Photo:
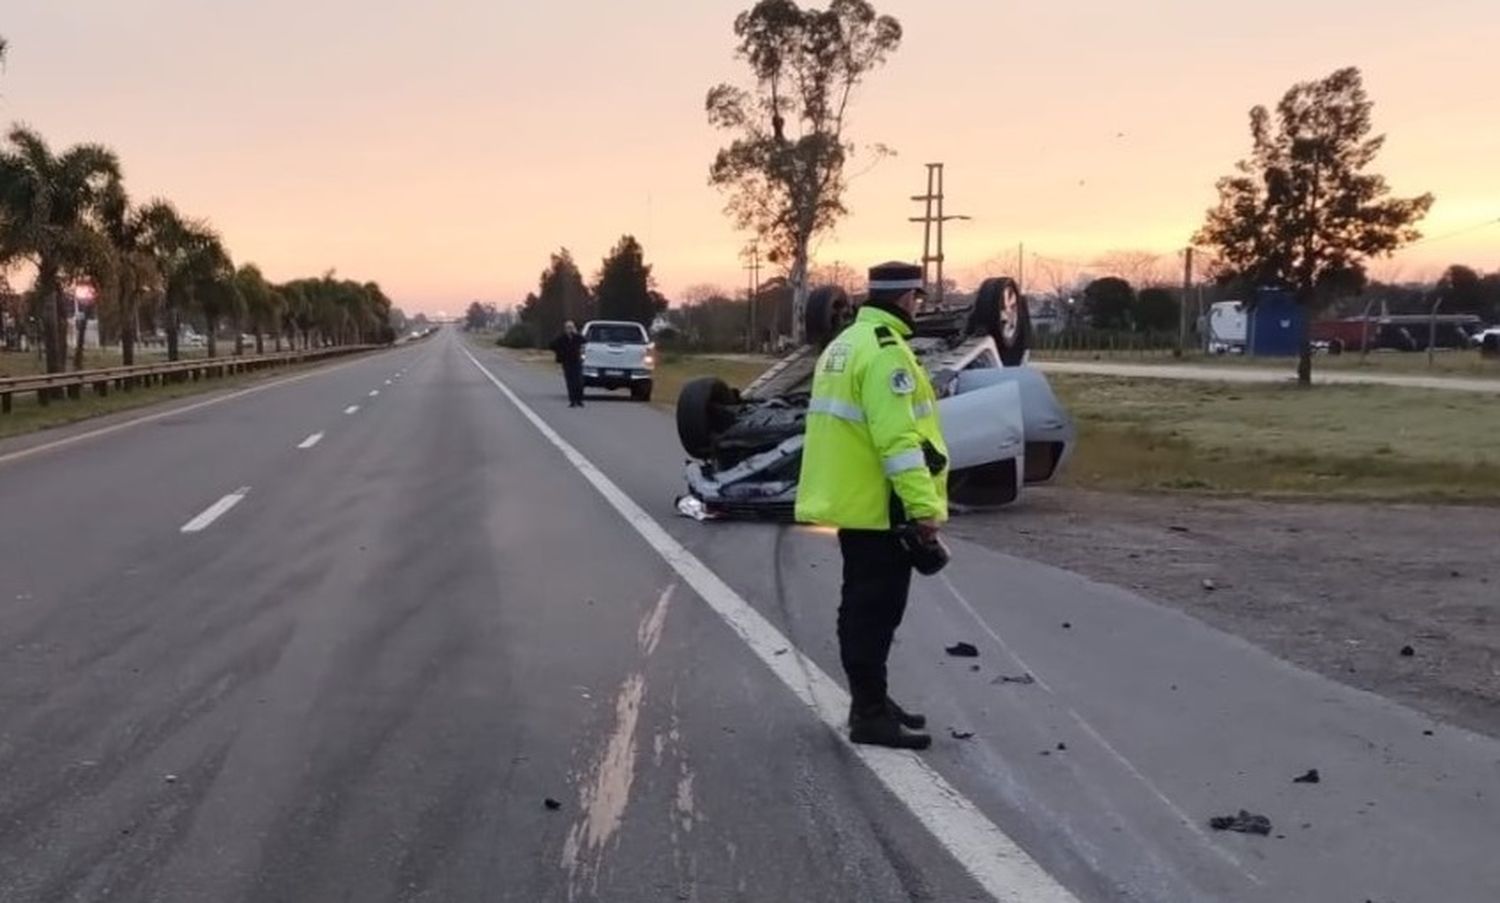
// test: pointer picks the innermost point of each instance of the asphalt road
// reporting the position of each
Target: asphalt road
(371, 660)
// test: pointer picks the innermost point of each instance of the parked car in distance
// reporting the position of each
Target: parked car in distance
(618, 354)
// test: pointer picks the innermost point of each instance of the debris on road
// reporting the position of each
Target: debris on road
(1178, 528)
(1407, 652)
(170, 779)
(1312, 777)
(1067, 625)
(1062, 747)
(690, 506)
(1023, 679)
(781, 651)
(973, 667)
(551, 804)
(1245, 823)
(963, 650)
(957, 734)
(1209, 584)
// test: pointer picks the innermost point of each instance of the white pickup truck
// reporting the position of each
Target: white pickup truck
(618, 354)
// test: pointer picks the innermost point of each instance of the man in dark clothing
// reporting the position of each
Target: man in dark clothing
(568, 349)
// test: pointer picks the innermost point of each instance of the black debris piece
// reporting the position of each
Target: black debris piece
(1025, 680)
(1407, 652)
(1046, 752)
(973, 667)
(1245, 823)
(1067, 625)
(1456, 574)
(1178, 528)
(963, 650)
(957, 734)
(781, 651)
(1312, 777)
(1427, 733)
(1062, 747)
(551, 804)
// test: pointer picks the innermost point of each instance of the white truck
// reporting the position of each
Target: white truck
(618, 354)
(1226, 329)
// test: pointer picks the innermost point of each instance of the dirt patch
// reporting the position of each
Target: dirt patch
(1336, 588)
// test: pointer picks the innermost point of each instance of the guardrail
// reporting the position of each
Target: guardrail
(51, 386)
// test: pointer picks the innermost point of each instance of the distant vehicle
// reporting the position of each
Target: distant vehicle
(1227, 328)
(618, 354)
(1478, 338)
(1398, 332)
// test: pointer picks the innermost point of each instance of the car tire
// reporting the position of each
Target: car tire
(641, 391)
(702, 414)
(828, 312)
(989, 306)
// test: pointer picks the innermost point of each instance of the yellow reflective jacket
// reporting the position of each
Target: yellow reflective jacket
(872, 409)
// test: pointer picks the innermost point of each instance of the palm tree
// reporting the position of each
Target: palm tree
(137, 275)
(50, 208)
(213, 284)
(260, 302)
(191, 259)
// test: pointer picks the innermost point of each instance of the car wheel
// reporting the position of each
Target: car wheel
(828, 312)
(641, 391)
(702, 413)
(989, 305)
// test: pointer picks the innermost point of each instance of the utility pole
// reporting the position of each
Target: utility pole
(1187, 287)
(752, 272)
(932, 220)
(1021, 267)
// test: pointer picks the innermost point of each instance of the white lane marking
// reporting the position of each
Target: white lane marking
(374, 392)
(312, 440)
(215, 511)
(1099, 738)
(352, 409)
(171, 412)
(995, 861)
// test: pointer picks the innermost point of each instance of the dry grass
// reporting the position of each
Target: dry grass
(1273, 440)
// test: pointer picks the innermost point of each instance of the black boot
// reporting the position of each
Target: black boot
(880, 728)
(910, 720)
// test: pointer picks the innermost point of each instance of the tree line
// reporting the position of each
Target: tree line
(142, 269)
(623, 289)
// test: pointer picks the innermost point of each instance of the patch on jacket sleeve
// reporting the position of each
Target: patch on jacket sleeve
(837, 358)
(902, 382)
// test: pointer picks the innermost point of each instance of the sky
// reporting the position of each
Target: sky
(445, 148)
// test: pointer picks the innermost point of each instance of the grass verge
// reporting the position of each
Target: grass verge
(1351, 442)
(1444, 363)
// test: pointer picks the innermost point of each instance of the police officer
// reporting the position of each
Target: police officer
(874, 462)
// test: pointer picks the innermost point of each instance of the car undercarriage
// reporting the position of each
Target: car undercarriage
(1003, 426)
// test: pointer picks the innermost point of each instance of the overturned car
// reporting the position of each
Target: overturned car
(1003, 426)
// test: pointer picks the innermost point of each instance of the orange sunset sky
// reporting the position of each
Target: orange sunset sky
(445, 148)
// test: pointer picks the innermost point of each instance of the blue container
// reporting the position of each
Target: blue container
(1275, 327)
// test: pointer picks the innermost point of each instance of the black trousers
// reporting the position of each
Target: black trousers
(573, 375)
(877, 578)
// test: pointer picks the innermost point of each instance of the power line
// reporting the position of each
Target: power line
(1457, 232)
